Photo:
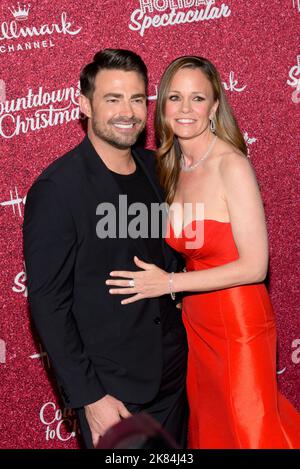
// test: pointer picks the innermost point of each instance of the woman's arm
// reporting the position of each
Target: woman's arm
(248, 225)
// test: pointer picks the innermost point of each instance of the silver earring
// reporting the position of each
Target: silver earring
(212, 125)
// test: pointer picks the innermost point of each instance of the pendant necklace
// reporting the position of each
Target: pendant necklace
(186, 168)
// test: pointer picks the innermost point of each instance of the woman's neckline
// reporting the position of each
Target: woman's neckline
(202, 221)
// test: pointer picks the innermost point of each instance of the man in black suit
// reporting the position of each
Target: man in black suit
(110, 359)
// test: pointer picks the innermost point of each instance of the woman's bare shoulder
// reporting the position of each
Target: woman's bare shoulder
(231, 158)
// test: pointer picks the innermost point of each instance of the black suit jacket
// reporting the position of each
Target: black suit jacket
(96, 345)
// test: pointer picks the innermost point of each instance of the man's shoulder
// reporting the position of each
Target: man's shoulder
(64, 167)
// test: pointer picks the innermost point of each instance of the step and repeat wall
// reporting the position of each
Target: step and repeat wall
(43, 46)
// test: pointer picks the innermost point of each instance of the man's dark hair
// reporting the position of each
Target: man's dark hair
(111, 59)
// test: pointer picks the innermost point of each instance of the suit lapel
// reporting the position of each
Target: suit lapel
(106, 187)
(104, 184)
(150, 176)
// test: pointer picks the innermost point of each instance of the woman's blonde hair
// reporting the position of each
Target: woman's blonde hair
(168, 153)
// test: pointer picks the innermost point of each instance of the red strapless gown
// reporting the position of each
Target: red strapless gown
(231, 380)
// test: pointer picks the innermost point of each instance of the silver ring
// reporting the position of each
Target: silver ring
(131, 282)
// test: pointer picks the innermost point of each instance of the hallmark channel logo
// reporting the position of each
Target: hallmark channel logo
(296, 351)
(20, 286)
(232, 85)
(2, 351)
(38, 109)
(2, 91)
(59, 424)
(21, 13)
(295, 355)
(163, 13)
(294, 81)
(42, 356)
(17, 36)
(249, 141)
(296, 5)
(15, 203)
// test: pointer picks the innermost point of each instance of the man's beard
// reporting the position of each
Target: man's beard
(122, 142)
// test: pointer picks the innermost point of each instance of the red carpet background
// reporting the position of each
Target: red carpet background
(255, 45)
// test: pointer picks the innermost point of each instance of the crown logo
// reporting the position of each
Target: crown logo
(20, 13)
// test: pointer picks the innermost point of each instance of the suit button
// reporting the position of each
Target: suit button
(156, 320)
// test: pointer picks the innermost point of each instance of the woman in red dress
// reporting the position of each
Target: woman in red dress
(216, 221)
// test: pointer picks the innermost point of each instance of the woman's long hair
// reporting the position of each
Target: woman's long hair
(168, 153)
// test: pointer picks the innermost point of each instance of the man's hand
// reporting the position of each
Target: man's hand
(102, 414)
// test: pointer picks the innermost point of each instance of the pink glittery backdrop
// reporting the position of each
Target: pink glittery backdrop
(254, 44)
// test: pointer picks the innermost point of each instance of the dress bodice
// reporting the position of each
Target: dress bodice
(204, 244)
(231, 377)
